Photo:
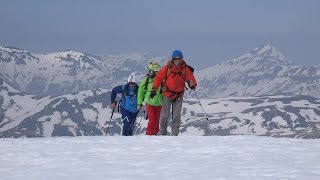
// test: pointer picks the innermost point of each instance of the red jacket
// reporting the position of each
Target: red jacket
(173, 78)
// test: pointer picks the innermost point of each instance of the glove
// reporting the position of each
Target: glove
(192, 85)
(153, 93)
(113, 105)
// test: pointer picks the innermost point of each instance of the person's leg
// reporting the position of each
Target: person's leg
(157, 111)
(151, 122)
(132, 122)
(176, 116)
(126, 122)
(164, 115)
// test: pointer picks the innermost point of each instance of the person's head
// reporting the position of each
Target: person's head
(177, 57)
(132, 79)
(153, 68)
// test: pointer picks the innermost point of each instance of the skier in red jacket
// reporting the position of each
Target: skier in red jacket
(171, 79)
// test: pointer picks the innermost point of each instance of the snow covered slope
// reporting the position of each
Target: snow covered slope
(146, 157)
(68, 71)
(86, 113)
(263, 71)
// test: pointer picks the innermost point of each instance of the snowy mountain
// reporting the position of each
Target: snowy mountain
(87, 113)
(263, 71)
(265, 94)
(66, 72)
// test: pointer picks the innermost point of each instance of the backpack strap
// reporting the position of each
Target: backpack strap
(125, 92)
(183, 72)
(147, 83)
(167, 75)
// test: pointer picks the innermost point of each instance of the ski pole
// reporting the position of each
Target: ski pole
(185, 86)
(110, 118)
(135, 128)
(135, 131)
(205, 114)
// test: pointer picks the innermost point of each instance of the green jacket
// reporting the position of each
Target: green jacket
(144, 94)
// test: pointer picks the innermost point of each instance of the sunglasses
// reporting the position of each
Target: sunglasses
(150, 71)
(176, 58)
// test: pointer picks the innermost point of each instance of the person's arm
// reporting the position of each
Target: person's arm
(115, 91)
(161, 75)
(142, 91)
(191, 79)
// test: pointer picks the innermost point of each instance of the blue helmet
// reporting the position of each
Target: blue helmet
(177, 54)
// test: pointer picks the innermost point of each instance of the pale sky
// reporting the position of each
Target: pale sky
(207, 31)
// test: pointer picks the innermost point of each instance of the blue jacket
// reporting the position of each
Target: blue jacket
(129, 97)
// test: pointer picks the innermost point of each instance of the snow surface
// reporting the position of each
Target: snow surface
(159, 157)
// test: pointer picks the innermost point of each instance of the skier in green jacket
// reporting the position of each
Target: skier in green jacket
(154, 104)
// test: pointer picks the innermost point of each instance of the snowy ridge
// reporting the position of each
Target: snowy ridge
(263, 71)
(266, 95)
(68, 71)
(6, 87)
(271, 52)
(87, 113)
(12, 50)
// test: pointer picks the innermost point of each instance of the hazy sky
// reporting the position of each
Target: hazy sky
(207, 31)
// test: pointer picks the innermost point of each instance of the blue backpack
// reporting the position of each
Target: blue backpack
(129, 100)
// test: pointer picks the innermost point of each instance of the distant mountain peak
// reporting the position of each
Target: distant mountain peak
(269, 51)
(12, 49)
(68, 54)
(68, 51)
(266, 49)
(260, 55)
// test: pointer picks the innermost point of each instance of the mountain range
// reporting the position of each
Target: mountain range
(263, 71)
(68, 71)
(87, 113)
(68, 94)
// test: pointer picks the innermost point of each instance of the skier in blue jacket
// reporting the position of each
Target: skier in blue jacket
(128, 103)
